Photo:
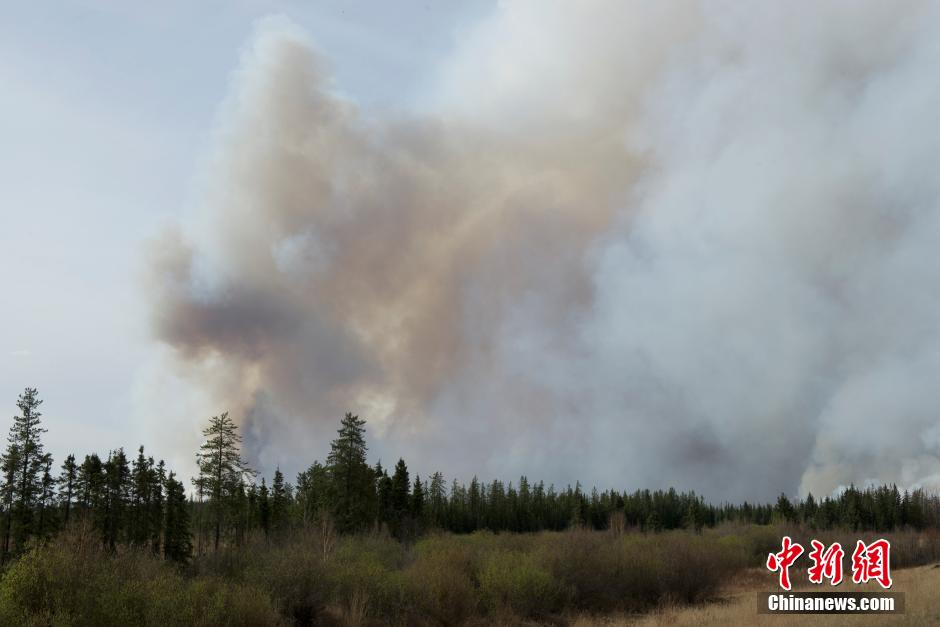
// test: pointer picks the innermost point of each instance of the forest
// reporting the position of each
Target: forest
(356, 543)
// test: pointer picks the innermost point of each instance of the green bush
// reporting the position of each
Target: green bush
(518, 583)
(73, 581)
(440, 582)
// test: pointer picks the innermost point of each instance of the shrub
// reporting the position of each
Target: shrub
(73, 581)
(516, 582)
(440, 582)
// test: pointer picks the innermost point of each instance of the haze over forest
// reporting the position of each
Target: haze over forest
(633, 244)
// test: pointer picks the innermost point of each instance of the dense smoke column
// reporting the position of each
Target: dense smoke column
(639, 246)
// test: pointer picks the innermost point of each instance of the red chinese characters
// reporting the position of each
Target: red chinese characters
(872, 561)
(784, 559)
(827, 564)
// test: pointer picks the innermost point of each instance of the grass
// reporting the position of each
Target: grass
(739, 607)
(442, 579)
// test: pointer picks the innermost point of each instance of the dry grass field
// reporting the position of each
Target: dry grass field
(738, 604)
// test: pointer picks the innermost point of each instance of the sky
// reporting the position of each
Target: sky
(106, 112)
(635, 244)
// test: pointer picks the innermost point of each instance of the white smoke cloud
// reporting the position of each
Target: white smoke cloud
(635, 244)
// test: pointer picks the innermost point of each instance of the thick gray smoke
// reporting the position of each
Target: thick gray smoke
(637, 244)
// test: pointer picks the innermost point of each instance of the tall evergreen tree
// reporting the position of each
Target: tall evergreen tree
(10, 462)
(437, 499)
(221, 469)
(264, 508)
(66, 482)
(417, 499)
(177, 540)
(112, 517)
(25, 461)
(158, 499)
(279, 502)
(383, 488)
(352, 480)
(46, 521)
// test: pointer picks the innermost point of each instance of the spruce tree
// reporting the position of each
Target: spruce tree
(352, 480)
(155, 510)
(385, 511)
(279, 502)
(264, 508)
(177, 540)
(417, 499)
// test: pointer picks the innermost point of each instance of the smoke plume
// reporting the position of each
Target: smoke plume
(636, 244)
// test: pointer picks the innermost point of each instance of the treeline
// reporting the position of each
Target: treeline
(355, 496)
(140, 503)
(136, 503)
(881, 508)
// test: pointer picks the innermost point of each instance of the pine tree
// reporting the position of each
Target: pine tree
(221, 469)
(352, 480)
(47, 493)
(10, 462)
(67, 486)
(117, 489)
(23, 462)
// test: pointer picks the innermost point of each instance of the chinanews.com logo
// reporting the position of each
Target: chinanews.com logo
(870, 562)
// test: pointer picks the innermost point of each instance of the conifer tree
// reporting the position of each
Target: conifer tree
(279, 502)
(66, 482)
(10, 462)
(383, 487)
(142, 486)
(46, 522)
(24, 461)
(417, 499)
(155, 510)
(264, 508)
(352, 480)
(401, 488)
(436, 498)
(221, 469)
(117, 488)
(177, 540)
